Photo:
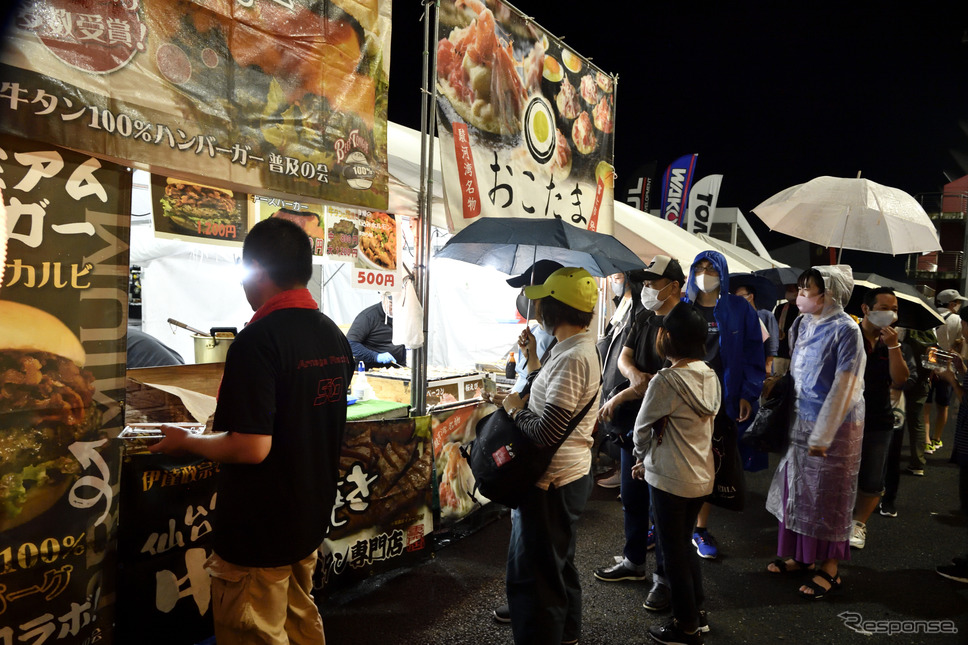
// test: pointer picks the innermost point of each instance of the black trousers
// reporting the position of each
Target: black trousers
(675, 518)
(543, 584)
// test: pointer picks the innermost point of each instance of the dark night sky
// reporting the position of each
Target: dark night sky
(769, 97)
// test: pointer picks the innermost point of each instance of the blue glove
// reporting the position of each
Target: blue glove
(384, 357)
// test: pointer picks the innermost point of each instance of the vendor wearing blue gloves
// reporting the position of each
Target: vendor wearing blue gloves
(371, 336)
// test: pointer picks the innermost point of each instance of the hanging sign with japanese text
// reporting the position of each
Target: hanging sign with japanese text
(382, 514)
(164, 592)
(526, 125)
(310, 217)
(287, 96)
(63, 320)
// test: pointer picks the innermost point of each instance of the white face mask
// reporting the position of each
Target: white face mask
(881, 318)
(651, 299)
(707, 283)
(808, 304)
(618, 289)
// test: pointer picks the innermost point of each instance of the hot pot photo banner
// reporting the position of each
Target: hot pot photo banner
(526, 125)
(63, 319)
(276, 95)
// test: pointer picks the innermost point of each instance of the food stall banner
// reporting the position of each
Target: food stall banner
(452, 430)
(382, 515)
(287, 95)
(526, 125)
(63, 320)
(675, 189)
(164, 592)
(702, 204)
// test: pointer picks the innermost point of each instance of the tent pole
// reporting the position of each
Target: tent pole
(428, 101)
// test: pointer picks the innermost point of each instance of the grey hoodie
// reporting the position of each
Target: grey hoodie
(689, 397)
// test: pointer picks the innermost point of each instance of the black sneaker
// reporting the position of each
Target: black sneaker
(502, 614)
(657, 598)
(958, 572)
(887, 509)
(618, 572)
(671, 634)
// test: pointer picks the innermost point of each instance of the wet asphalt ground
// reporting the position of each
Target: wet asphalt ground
(889, 586)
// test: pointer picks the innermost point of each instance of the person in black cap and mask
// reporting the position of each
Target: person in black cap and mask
(534, 341)
(639, 362)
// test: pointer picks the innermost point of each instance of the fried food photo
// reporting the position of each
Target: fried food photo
(378, 242)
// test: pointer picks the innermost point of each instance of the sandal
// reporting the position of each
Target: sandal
(818, 591)
(792, 566)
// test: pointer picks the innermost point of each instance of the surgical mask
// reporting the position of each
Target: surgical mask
(618, 289)
(881, 318)
(650, 298)
(808, 304)
(707, 283)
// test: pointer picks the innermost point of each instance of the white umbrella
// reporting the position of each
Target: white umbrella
(851, 214)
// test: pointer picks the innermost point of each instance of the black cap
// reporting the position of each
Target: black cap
(542, 269)
(664, 267)
(686, 325)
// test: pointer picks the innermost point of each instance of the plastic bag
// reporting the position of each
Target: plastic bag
(408, 319)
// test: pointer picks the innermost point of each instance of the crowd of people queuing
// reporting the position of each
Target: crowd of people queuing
(680, 355)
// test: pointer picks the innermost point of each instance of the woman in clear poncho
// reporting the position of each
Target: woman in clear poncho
(813, 489)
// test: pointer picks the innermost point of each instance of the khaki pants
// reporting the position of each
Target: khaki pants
(264, 606)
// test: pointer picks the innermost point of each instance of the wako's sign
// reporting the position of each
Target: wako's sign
(675, 188)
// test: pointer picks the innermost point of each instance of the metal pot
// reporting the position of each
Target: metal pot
(211, 347)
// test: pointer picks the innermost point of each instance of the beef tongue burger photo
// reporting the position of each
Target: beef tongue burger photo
(46, 404)
(201, 209)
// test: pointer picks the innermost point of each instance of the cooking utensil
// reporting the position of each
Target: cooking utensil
(211, 346)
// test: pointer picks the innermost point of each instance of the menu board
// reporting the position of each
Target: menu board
(198, 212)
(526, 125)
(63, 320)
(371, 242)
(287, 95)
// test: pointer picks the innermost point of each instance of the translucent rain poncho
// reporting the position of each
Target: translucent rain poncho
(827, 363)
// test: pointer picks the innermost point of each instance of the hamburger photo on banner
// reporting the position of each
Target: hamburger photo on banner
(46, 404)
(201, 209)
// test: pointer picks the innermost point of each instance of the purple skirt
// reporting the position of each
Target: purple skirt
(806, 549)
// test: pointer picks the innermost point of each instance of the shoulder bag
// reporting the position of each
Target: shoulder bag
(505, 463)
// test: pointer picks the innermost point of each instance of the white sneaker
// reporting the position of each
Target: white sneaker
(858, 535)
(612, 481)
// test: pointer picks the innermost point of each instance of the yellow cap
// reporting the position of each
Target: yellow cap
(573, 286)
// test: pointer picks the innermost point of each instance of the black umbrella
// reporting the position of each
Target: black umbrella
(765, 297)
(780, 276)
(512, 244)
(913, 310)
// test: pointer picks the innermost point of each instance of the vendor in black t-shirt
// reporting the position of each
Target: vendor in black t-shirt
(277, 435)
(371, 336)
